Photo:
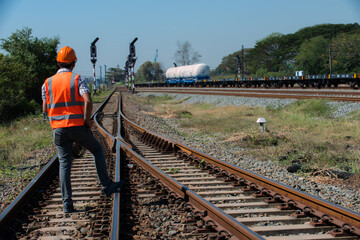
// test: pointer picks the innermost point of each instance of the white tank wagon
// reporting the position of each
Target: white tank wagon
(188, 74)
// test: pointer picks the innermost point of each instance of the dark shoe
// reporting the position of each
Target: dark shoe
(68, 207)
(113, 187)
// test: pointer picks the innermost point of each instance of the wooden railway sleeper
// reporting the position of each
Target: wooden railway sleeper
(151, 140)
(345, 229)
(194, 160)
(204, 226)
(188, 207)
(264, 192)
(338, 232)
(214, 170)
(240, 182)
(159, 144)
(181, 154)
(161, 191)
(156, 142)
(223, 235)
(167, 147)
(222, 173)
(163, 145)
(194, 216)
(230, 178)
(287, 206)
(210, 224)
(301, 213)
(317, 222)
(146, 138)
(143, 136)
(250, 187)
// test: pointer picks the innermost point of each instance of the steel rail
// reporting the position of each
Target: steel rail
(103, 104)
(115, 147)
(259, 95)
(115, 229)
(7, 215)
(258, 90)
(10, 212)
(326, 211)
(227, 222)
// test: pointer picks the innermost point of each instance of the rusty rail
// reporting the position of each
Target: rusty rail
(288, 95)
(16, 206)
(228, 223)
(346, 220)
(115, 147)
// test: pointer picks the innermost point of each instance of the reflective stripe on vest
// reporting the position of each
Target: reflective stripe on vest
(65, 117)
(64, 103)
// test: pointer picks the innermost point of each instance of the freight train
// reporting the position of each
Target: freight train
(197, 75)
(187, 75)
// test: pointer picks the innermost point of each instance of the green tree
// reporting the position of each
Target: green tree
(276, 53)
(345, 50)
(115, 74)
(267, 54)
(13, 101)
(38, 55)
(150, 71)
(313, 57)
(185, 55)
(228, 65)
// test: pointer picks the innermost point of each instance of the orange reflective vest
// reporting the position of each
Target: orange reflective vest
(64, 103)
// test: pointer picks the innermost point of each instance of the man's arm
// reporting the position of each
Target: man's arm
(88, 106)
(45, 110)
(44, 107)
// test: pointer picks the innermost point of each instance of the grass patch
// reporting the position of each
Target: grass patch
(100, 97)
(303, 131)
(18, 139)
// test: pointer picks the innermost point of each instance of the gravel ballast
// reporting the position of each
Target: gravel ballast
(336, 193)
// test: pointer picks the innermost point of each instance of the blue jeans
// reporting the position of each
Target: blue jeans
(64, 138)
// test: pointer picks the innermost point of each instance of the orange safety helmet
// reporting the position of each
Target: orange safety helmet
(66, 55)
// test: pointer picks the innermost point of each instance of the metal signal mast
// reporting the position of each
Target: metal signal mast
(93, 59)
(129, 66)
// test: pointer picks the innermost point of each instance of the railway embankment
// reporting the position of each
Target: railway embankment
(26, 147)
(320, 180)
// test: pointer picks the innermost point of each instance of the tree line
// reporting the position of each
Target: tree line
(319, 49)
(29, 62)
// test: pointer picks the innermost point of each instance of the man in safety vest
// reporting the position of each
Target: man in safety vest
(67, 101)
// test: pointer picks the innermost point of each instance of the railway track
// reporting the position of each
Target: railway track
(336, 95)
(37, 212)
(172, 192)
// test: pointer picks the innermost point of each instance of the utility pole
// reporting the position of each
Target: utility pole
(156, 55)
(100, 73)
(330, 58)
(127, 74)
(93, 60)
(240, 63)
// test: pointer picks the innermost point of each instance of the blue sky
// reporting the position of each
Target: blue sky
(214, 28)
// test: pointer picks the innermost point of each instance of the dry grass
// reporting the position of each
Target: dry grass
(19, 141)
(303, 131)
